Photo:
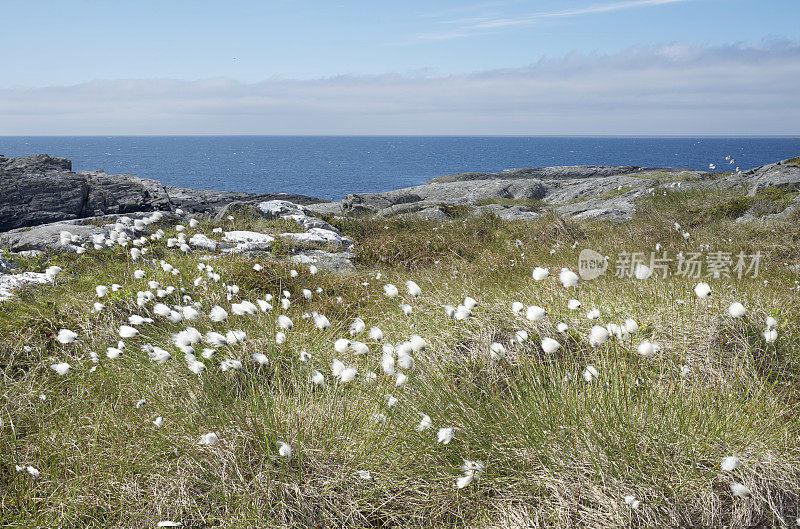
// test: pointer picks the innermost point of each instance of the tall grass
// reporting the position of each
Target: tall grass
(558, 451)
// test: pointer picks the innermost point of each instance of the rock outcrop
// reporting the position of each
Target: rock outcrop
(601, 192)
(42, 189)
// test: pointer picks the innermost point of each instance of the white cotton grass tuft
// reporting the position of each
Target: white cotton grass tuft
(770, 335)
(736, 310)
(521, 336)
(209, 439)
(357, 327)
(472, 469)
(375, 334)
(169, 523)
(593, 314)
(445, 435)
(126, 331)
(284, 322)
(497, 350)
(573, 304)
(280, 337)
(771, 323)
(517, 307)
(550, 346)
(540, 274)
(598, 335)
(390, 290)
(317, 378)
(413, 288)
(562, 327)
(470, 303)
(260, 358)
(341, 345)
(740, 491)
(535, 313)
(702, 290)
(590, 373)
(66, 336)
(406, 308)
(424, 423)
(568, 278)
(284, 450)
(631, 501)
(217, 314)
(62, 368)
(647, 349)
(101, 290)
(159, 422)
(729, 463)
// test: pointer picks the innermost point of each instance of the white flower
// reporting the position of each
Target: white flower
(550, 346)
(573, 304)
(62, 368)
(590, 373)
(521, 336)
(517, 307)
(280, 337)
(562, 327)
(284, 322)
(406, 308)
(736, 310)
(593, 314)
(598, 335)
(260, 358)
(646, 349)
(535, 313)
(101, 290)
(34, 472)
(770, 335)
(740, 491)
(284, 450)
(540, 274)
(138, 274)
(217, 313)
(445, 435)
(375, 334)
(702, 290)
(317, 378)
(126, 331)
(357, 327)
(470, 303)
(413, 288)
(568, 278)
(390, 290)
(209, 438)
(772, 323)
(424, 423)
(729, 463)
(631, 326)
(631, 501)
(66, 336)
(159, 421)
(391, 401)
(231, 363)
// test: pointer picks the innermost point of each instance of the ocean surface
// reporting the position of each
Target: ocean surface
(332, 166)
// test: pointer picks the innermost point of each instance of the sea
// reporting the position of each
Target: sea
(330, 167)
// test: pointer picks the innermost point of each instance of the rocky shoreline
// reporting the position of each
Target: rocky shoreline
(42, 197)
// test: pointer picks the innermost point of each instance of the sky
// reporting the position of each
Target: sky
(539, 67)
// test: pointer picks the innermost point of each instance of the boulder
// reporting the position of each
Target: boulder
(42, 189)
(247, 241)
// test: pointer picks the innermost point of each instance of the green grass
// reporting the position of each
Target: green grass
(529, 203)
(794, 161)
(558, 451)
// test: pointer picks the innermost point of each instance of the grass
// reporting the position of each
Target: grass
(529, 203)
(794, 161)
(558, 451)
(605, 196)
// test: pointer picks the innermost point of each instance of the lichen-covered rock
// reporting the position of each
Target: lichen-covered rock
(247, 241)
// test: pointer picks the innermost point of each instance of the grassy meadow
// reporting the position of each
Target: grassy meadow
(637, 441)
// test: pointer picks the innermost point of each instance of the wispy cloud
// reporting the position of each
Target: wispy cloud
(476, 26)
(672, 89)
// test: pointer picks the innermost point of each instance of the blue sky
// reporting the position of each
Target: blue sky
(211, 66)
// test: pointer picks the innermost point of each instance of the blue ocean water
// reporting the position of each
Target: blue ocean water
(333, 166)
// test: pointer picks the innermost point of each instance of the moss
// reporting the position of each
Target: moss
(794, 161)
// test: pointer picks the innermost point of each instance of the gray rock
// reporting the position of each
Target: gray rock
(9, 283)
(247, 241)
(199, 240)
(332, 261)
(42, 189)
(286, 210)
(318, 237)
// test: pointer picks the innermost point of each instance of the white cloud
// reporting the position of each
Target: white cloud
(477, 26)
(672, 89)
